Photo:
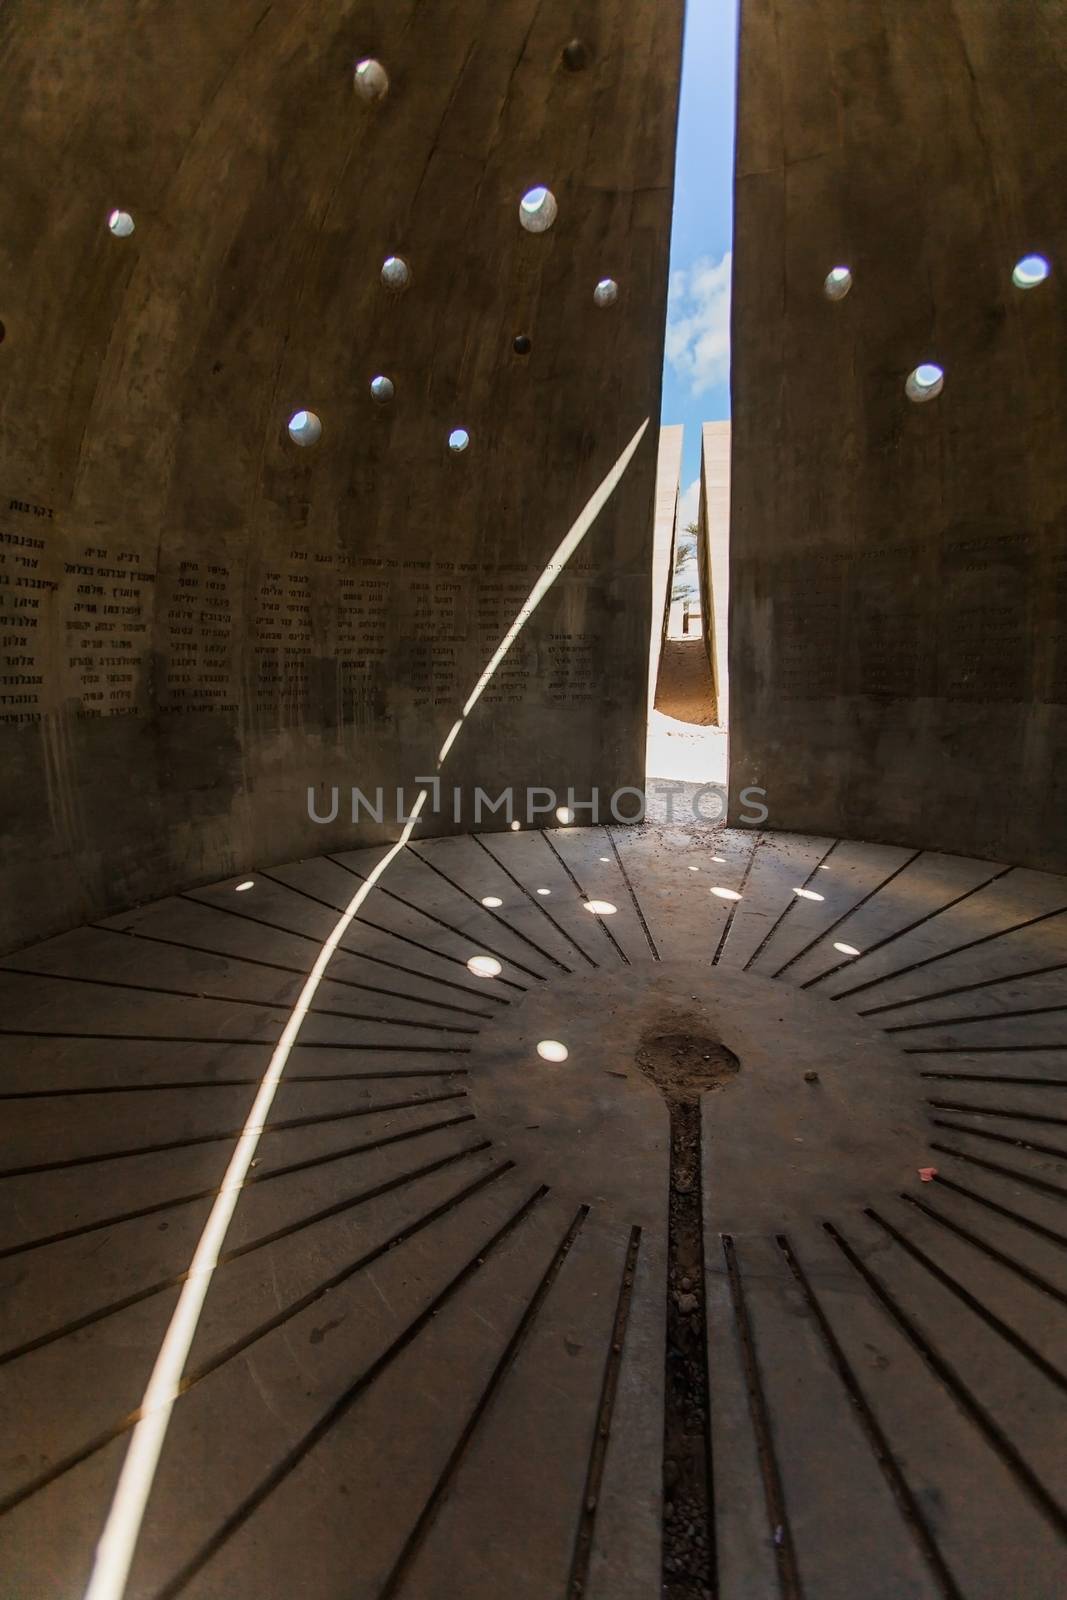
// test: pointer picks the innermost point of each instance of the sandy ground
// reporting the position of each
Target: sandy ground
(684, 688)
(684, 744)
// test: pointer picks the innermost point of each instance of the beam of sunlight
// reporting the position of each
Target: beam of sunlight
(118, 1541)
(554, 566)
(450, 741)
(114, 1552)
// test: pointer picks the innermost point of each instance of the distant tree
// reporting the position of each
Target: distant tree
(686, 549)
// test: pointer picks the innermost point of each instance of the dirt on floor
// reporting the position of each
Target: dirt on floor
(683, 1066)
(685, 688)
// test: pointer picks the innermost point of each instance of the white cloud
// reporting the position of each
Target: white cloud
(688, 505)
(698, 323)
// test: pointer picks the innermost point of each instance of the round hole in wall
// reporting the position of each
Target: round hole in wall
(458, 440)
(121, 224)
(925, 382)
(606, 292)
(837, 283)
(305, 428)
(523, 345)
(537, 209)
(1029, 272)
(575, 55)
(370, 80)
(382, 389)
(396, 274)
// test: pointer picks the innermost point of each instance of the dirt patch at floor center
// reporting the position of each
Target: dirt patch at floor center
(683, 1066)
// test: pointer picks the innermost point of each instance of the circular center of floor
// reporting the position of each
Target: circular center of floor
(804, 1105)
(683, 1066)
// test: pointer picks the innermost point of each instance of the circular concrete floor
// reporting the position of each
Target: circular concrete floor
(455, 1315)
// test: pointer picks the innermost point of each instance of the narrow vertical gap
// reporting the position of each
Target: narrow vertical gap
(685, 1067)
(508, 1356)
(790, 903)
(688, 1521)
(947, 1375)
(721, 946)
(824, 933)
(633, 895)
(909, 927)
(583, 896)
(789, 1584)
(496, 916)
(907, 1501)
(534, 900)
(583, 1544)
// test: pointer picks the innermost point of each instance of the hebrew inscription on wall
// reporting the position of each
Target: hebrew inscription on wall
(96, 626)
(865, 618)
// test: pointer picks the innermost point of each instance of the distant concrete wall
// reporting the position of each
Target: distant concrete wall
(898, 620)
(713, 555)
(668, 478)
(200, 619)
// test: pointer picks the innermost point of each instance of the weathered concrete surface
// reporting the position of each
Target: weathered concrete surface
(668, 477)
(899, 571)
(450, 1300)
(201, 619)
(713, 556)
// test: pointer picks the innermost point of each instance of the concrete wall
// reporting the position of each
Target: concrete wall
(668, 478)
(899, 572)
(201, 619)
(713, 557)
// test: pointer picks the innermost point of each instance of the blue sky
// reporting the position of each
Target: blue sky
(696, 370)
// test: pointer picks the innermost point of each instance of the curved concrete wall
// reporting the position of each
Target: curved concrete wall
(201, 619)
(898, 612)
